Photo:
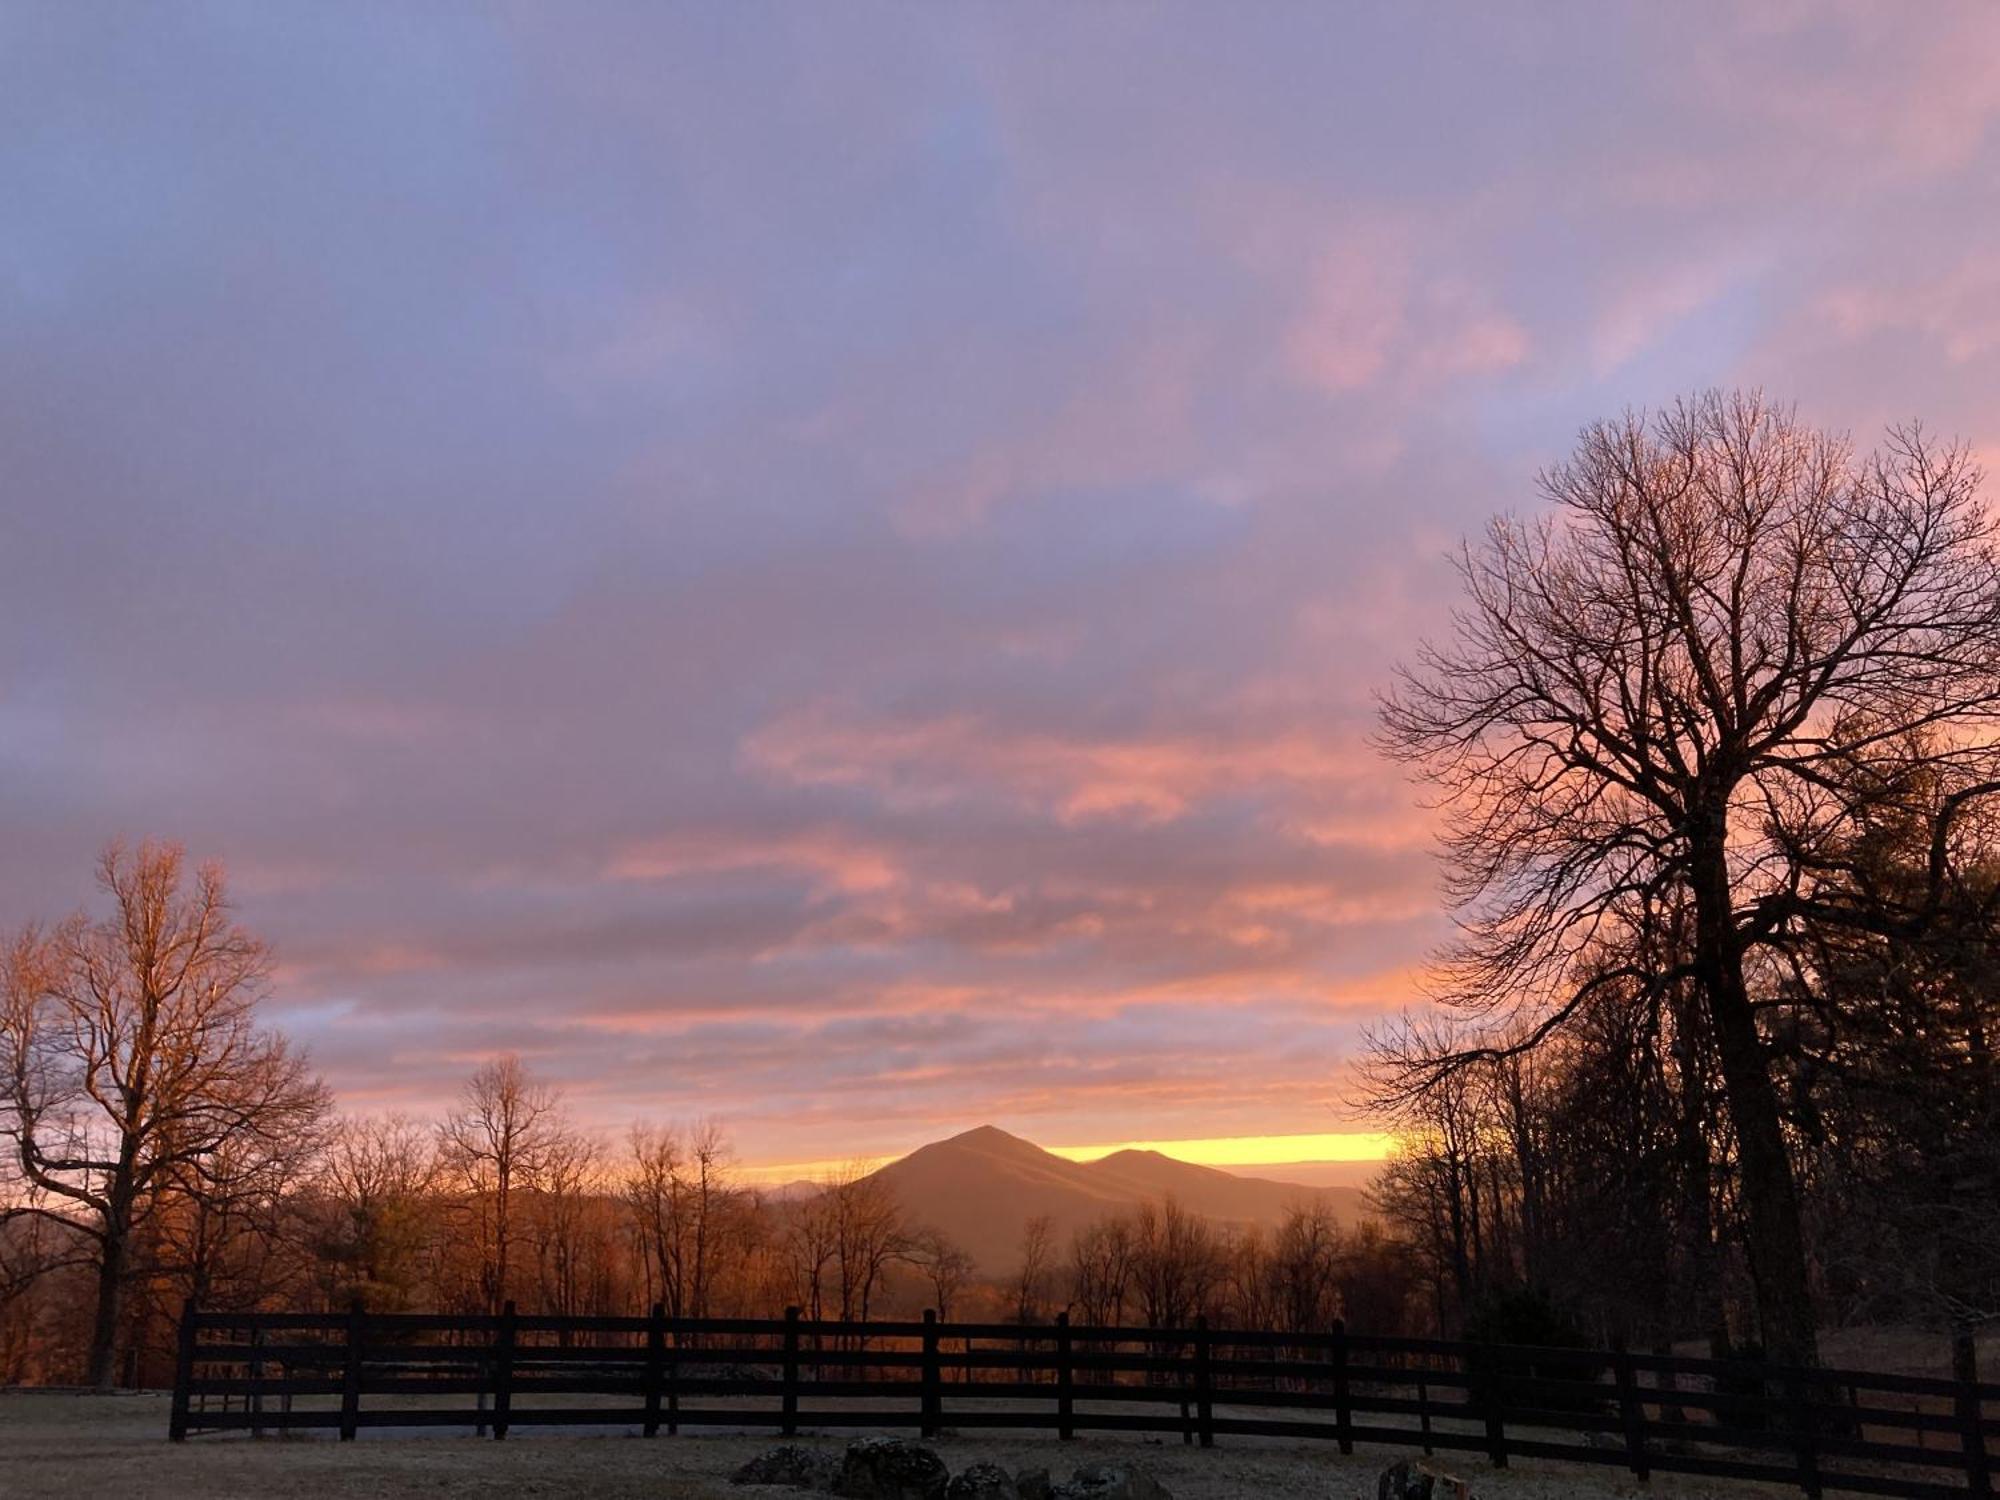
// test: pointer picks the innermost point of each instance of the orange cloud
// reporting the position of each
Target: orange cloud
(841, 862)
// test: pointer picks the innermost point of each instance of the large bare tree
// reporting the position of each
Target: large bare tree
(1665, 686)
(131, 1063)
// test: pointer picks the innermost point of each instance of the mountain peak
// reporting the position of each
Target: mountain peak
(992, 1140)
(1160, 1172)
(983, 1133)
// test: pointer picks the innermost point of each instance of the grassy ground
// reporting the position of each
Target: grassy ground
(114, 1448)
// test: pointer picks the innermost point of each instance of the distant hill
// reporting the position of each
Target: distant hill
(981, 1187)
(788, 1192)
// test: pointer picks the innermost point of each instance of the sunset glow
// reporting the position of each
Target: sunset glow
(1234, 1152)
(1251, 1150)
(829, 574)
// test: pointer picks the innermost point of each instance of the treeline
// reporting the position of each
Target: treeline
(1162, 1267)
(1718, 751)
(160, 1144)
(1598, 1171)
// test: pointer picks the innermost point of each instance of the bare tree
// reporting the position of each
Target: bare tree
(379, 1177)
(869, 1236)
(945, 1266)
(1307, 1259)
(569, 1234)
(809, 1245)
(721, 1210)
(1176, 1263)
(839, 1241)
(1100, 1269)
(131, 1060)
(1665, 686)
(497, 1142)
(38, 1257)
(233, 1234)
(691, 1213)
(1031, 1281)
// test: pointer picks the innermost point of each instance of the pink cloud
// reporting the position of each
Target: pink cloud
(840, 861)
(1371, 312)
(1957, 310)
(1146, 778)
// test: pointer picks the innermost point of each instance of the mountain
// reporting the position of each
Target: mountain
(1353, 1174)
(790, 1192)
(980, 1188)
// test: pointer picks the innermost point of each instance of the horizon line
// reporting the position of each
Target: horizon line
(1226, 1151)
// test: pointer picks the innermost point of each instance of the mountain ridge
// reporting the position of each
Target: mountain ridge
(981, 1187)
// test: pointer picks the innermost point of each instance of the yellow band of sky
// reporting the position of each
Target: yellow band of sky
(1207, 1151)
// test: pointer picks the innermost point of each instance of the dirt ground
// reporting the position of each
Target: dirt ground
(56, 1446)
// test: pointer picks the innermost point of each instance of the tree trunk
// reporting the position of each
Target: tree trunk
(1702, 1309)
(1775, 1239)
(101, 1365)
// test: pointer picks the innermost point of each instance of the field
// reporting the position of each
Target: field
(57, 1446)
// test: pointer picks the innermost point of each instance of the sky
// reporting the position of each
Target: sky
(825, 567)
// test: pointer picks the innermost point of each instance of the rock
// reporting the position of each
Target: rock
(1404, 1480)
(1033, 1484)
(788, 1463)
(981, 1481)
(1111, 1482)
(890, 1469)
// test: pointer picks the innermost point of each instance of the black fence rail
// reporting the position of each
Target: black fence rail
(1863, 1432)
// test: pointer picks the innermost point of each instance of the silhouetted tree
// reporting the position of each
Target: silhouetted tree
(1031, 1280)
(690, 1213)
(1100, 1269)
(945, 1267)
(1652, 689)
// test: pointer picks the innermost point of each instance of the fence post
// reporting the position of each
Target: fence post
(1065, 1386)
(1971, 1415)
(177, 1420)
(1204, 1385)
(790, 1397)
(932, 1401)
(1485, 1362)
(1424, 1410)
(256, 1379)
(656, 1348)
(503, 1373)
(1801, 1420)
(1343, 1410)
(674, 1384)
(1630, 1409)
(350, 1383)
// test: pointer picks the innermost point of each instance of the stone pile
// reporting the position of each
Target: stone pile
(884, 1468)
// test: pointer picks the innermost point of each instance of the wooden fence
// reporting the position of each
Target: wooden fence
(1821, 1429)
